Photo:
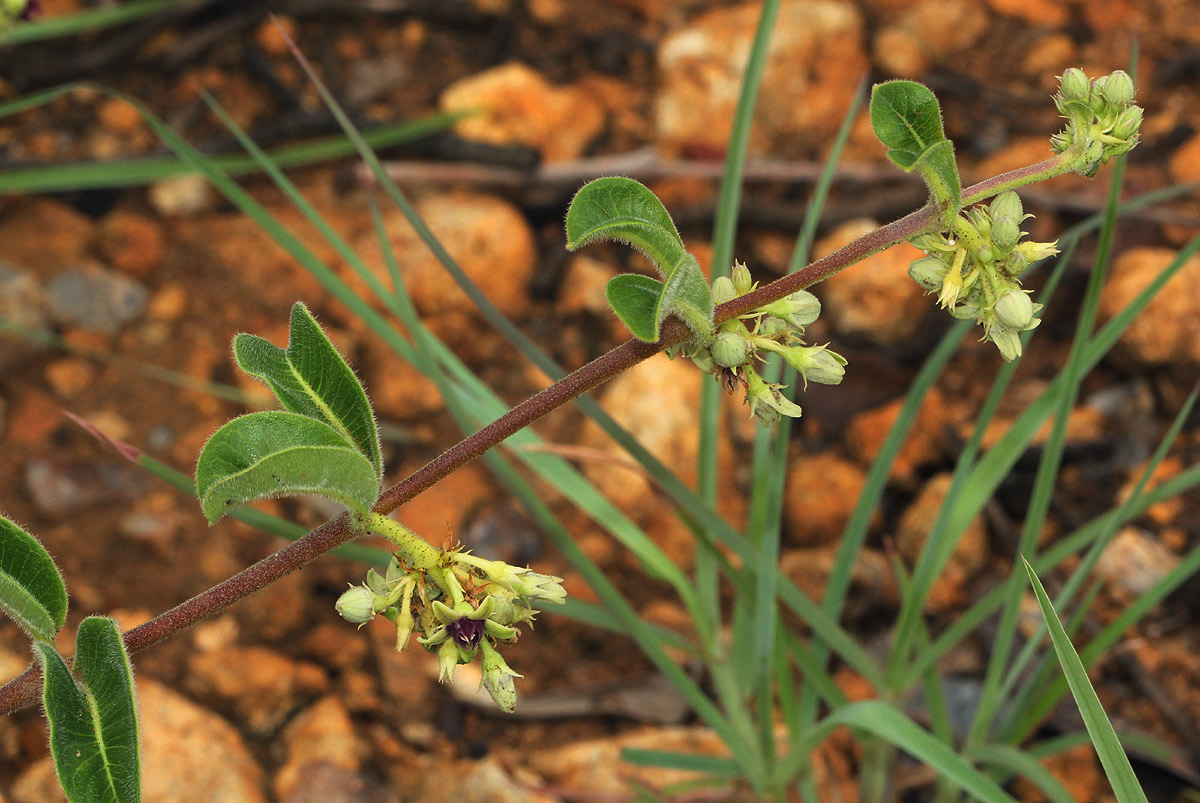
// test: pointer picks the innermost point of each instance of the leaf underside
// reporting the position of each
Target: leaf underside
(93, 720)
(310, 377)
(32, 591)
(273, 453)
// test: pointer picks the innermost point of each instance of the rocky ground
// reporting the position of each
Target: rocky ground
(277, 699)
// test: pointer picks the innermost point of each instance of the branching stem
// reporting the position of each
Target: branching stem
(25, 689)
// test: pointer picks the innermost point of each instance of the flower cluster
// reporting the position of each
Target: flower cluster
(975, 269)
(460, 609)
(776, 328)
(1102, 120)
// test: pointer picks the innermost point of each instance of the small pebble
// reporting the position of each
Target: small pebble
(95, 299)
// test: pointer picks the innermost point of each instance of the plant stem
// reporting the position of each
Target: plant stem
(25, 689)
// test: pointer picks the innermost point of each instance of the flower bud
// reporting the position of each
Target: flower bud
(1118, 89)
(799, 309)
(817, 364)
(723, 290)
(1007, 341)
(730, 350)
(1074, 85)
(928, 272)
(1127, 125)
(498, 678)
(1006, 205)
(1015, 310)
(1005, 234)
(447, 660)
(356, 605)
(742, 281)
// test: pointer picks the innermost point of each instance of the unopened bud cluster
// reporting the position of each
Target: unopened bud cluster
(975, 271)
(739, 344)
(1102, 119)
(461, 609)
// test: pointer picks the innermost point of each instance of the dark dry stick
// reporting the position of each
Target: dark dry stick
(23, 690)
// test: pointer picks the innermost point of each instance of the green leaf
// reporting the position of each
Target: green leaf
(32, 591)
(310, 377)
(1108, 747)
(268, 454)
(907, 119)
(617, 208)
(93, 721)
(635, 300)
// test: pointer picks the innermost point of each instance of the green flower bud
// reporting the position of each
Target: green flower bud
(1060, 142)
(1007, 341)
(1006, 205)
(730, 350)
(723, 290)
(498, 678)
(928, 272)
(742, 281)
(765, 400)
(447, 660)
(1074, 85)
(1014, 310)
(376, 583)
(1005, 234)
(356, 605)
(817, 364)
(799, 309)
(1127, 124)
(1118, 89)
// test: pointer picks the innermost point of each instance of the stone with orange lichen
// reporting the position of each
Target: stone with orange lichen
(821, 493)
(513, 104)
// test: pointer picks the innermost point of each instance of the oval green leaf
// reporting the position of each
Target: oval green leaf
(907, 119)
(269, 454)
(618, 208)
(310, 377)
(93, 721)
(635, 300)
(32, 591)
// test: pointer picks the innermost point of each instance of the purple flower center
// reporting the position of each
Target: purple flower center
(33, 10)
(466, 632)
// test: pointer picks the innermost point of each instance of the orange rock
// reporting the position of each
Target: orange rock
(520, 106)
(816, 52)
(322, 733)
(874, 299)
(272, 35)
(1168, 330)
(1042, 13)
(69, 376)
(489, 238)
(918, 520)
(899, 50)
(119, 116)
(32, 417)
(867, 431)
(131, 243)
(27, 244)
(436, 513)
(1185, 162)
(822, 490)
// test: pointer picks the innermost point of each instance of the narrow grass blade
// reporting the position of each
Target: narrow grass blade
(1108, 748)
(140, 171)
(1019, 762)
(689, 762)
(95, 19)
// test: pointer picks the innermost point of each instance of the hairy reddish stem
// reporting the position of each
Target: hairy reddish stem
(24, 689)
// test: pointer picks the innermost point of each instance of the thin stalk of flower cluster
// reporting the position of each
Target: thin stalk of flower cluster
(25, 689)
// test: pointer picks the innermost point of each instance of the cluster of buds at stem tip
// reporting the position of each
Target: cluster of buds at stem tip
(1102, 119)
(463, 608)
(739, 344)
(975, 271)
